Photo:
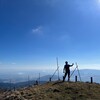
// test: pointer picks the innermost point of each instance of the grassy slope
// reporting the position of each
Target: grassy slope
(56, 91)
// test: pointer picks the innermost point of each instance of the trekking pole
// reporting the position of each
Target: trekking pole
(73, 72)
(57, 68)
(39, 78)
(78, 72)
(54, 73)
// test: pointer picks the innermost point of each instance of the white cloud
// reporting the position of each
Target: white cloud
(38, 30)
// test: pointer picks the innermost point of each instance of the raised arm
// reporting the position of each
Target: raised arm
(72, 65)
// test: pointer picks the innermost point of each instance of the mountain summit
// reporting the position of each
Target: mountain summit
(55, 91)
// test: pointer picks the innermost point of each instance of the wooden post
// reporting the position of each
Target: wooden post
(14, 88)
(91, 79)
(10, 85)
(50, 79)
(39, 78)
(36, 82)
(75, 78)
(28, 80)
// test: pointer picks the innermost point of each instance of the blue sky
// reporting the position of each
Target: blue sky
(34, 32)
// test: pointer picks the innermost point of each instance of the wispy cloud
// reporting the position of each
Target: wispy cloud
(38, 30)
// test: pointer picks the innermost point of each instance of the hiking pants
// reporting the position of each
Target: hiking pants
(67, 72)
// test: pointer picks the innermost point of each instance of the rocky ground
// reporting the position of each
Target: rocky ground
(55, 91)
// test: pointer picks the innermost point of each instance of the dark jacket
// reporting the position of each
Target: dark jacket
(67, 67)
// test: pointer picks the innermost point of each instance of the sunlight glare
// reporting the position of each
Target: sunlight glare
(98, 1)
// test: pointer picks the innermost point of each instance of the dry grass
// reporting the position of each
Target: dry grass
(56, 91)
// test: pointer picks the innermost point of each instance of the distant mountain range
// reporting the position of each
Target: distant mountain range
(87, 73)
(85, 76)
(8, 85)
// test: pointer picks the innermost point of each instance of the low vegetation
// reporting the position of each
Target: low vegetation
(55, 91)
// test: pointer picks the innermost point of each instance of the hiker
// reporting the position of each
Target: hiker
(66, 70)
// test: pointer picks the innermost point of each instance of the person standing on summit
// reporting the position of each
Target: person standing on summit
(66, 70)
